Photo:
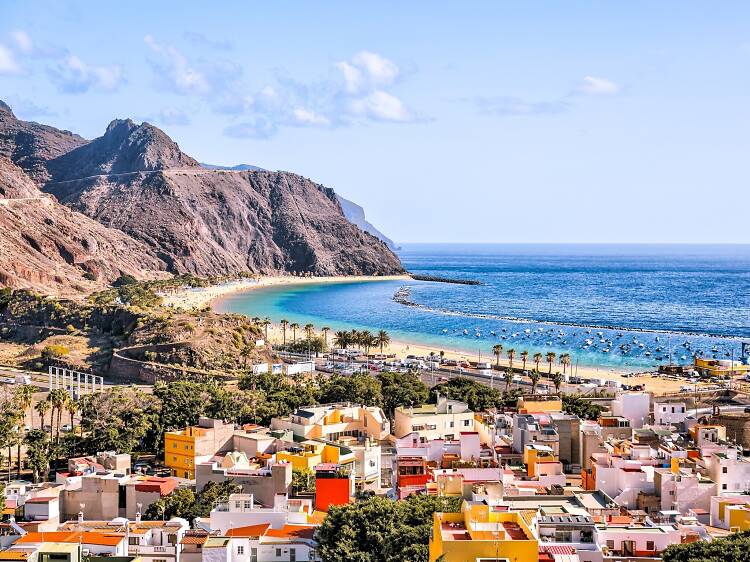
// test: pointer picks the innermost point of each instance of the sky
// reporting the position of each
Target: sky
(447, 121)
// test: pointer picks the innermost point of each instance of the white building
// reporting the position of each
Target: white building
(669, 413)
(730, 471)
(240, 510)
(635, 406)
(444, 420)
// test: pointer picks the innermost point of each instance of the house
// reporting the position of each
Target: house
(184, 448)
(669, 413)
(444, 420)
(240, 510)
(263, 482)
(630, 540)
(332, 422)
(634, 406)
(479, 532)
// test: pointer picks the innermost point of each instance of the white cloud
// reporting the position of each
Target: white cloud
(593, 86)
(382, 106)
(22, 41)
(308, 117)
(504, 106)
(174, 71)
(8, 63)
(367, 71)
(73, 75)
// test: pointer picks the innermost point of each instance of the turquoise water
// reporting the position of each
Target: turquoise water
(616, 306)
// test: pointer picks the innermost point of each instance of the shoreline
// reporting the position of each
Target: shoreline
(200, 297)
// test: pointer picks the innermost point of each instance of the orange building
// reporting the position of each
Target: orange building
(333, 486)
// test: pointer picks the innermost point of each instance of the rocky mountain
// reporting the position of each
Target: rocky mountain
(124, 148)
(31, 145)
(355, 214)
(50, 248)
(237, 168)
(134, 178)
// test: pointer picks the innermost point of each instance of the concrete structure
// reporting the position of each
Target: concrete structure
(635, 541)
(568, 429)
(264, 483)
(536, 429)
(479, 532)
(333, 486)
(75, 383)
(183, 449)
(635, 406)
(240, 510)
(669, 413)
(331, 422)
(444, 420)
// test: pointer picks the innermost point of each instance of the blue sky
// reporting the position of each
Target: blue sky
(456, 122)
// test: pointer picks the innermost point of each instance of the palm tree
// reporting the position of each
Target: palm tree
(511, 355)
(72, 408)
(524, 358)
(355, 338)
(325, 330)
(508, 378)
(537, 359)
(382, 339)
(551, 359)
(367, 340)
(565, 361)
(557, 380)
(497, 349)
(294, 326)
(24, 397)
(42, 407)
(58, 397)
(341, 339)
(265, 323)
(309, 331)
(534, 376)
(284, 323)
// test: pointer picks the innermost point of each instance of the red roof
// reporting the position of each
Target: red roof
(557, 549)
(164, 486)
(40, 500)
(72, 537)
(292, 532)
(249, 530)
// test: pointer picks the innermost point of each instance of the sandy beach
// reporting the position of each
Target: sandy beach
(201, 297)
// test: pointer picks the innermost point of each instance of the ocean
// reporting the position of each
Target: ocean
(619, 306)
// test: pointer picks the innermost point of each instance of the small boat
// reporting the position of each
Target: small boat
(493, 333)
(466, 332)
(445, 330)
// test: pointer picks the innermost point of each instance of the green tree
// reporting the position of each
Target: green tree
(584, 409)
(557, 380)
(284, 323)
(377, 529)
(550, 359)
(358, 388)
(535, 375)
(478, 396)
(497, 350)
(303, 480)
(294, 326)
(401, 389)
(23, 396)
(342, 339)
(39, 452)
(382, 339)
(524, 358)
(42, 407)
(733, 548)
(537, 359)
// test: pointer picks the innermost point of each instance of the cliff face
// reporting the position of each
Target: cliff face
(355, 214)
(176, 214)
(31, 145)
(49, 248)
(124, 148)
(211, 223)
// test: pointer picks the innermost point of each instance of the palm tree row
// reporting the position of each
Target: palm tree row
(363, 339)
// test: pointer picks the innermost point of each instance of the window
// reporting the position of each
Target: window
(292, 555)
(466, 423)
(133, 541)
(248, 504)
(611, 545)
(240, 549)
(724, 470)
(174, 445)
(253, 554)
(649, 545)
(723, 486)
(172, 539)
(450, 424)
(278, 553)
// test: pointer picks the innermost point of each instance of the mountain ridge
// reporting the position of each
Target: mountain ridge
(186, 219)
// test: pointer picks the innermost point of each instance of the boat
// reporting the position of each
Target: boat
(466, 332)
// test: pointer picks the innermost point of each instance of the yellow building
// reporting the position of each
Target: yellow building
(537, 404)
(534, 454)
(312, 453)
(478, 533)
(720, 367)
(182, 449)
